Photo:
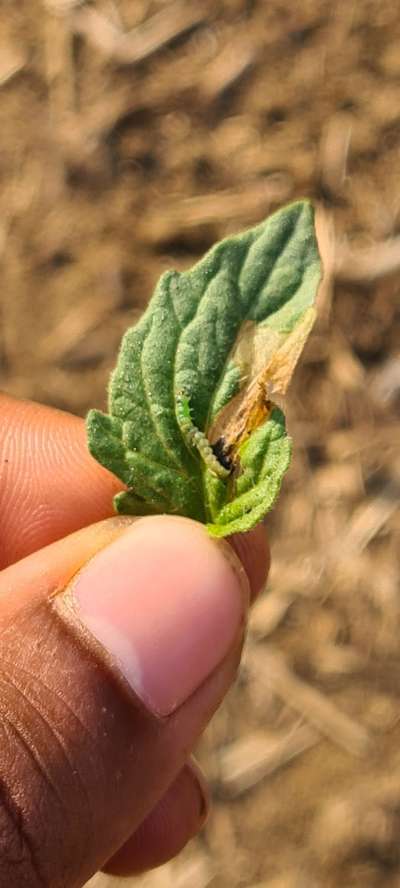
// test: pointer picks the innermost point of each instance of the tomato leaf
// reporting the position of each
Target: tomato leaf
(192, 427)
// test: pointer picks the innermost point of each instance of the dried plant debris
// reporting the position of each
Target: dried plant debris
(245, 762)
(193, 427)
(148, 162)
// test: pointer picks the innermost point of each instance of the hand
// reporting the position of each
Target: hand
(118, 640)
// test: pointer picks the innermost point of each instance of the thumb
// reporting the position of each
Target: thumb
(116, 646)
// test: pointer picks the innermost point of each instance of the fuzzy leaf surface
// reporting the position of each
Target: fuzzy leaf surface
(227, 334)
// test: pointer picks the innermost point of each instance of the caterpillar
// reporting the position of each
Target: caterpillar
(195, 438)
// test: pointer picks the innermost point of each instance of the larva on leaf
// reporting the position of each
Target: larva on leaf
(218, 340)
(197, 439)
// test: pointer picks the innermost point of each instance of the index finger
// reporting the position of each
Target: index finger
(51, 486)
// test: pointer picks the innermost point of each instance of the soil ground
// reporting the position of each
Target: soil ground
(129, 148)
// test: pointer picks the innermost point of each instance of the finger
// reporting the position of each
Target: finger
(106, 685)
(253, 551)
(177, 818)
(51, 486)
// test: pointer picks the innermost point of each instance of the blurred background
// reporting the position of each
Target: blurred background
(135, 133)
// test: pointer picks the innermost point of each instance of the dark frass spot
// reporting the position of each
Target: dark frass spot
(222, 456)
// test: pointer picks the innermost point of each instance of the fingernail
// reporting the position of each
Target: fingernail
(166, 603)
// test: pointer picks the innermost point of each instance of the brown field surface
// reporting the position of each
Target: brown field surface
(134, 133)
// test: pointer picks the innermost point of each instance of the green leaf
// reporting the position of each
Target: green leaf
(264, 458)
(192, 428)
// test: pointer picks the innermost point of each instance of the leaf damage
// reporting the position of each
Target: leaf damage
(228, 334)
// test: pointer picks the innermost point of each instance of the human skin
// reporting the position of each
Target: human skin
(118, 640)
